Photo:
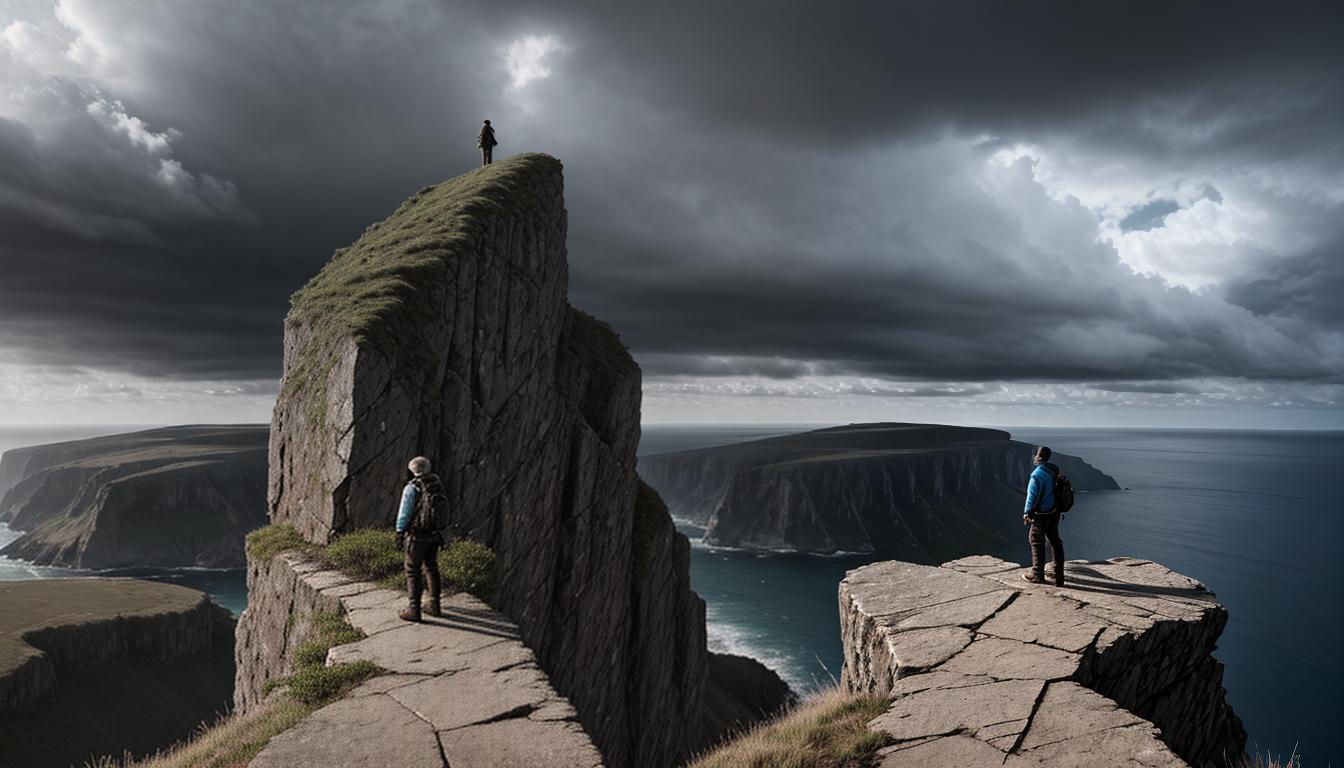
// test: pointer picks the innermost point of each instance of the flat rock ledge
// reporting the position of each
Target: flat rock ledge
(986, 669)
(461, 690)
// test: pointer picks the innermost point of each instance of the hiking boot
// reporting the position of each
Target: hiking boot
(1059, 582)
(1033, 577)
(409, 614)
(433, 609)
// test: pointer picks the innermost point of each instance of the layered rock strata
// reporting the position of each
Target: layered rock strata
(179, 496)
(919, 492)
(461, 690)
(985, 669)
(445, 331)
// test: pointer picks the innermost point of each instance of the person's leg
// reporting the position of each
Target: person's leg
(415, 556)
(1056, 546)
(1037, 540)
(432, 576)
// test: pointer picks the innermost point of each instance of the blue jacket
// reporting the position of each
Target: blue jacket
(408, 496)
(1040, 485)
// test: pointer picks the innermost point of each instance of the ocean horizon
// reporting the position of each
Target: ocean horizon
(1253, 514)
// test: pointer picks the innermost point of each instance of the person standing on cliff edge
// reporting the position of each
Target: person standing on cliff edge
(1043, 517)
(420, 524)
(486, 141)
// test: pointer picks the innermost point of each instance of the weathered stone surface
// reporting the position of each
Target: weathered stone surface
(1084, 675)
(953, 750)
(970, 710)
(445, 331)
(923, 492)
(459, 688)
(517, 742)
(372, 731)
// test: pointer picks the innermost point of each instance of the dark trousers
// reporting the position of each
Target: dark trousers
(1043, 528)
(422, 554)
(487, 155)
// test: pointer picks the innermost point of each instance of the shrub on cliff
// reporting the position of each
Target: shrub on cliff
(265, 543)
(468, 566)
(369, 554)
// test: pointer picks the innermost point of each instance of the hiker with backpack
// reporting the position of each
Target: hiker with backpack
(1049, 495)
(420, 525)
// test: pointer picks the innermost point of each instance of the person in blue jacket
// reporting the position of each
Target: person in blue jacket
(1040, 513)
(421, 548)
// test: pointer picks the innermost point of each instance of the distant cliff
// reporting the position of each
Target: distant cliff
(445, 331)
(179, 496)
(984, 669)
(92, 667)
(917, 491)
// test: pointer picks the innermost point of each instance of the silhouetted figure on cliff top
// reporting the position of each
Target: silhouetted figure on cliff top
(420, 524)
(1042, 515)
(486, 141)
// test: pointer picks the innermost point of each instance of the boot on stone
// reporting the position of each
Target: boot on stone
(409, 614)
(1033, 577)
(434, 609)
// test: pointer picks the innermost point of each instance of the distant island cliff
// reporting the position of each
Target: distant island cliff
(922, 492)
(177, 496)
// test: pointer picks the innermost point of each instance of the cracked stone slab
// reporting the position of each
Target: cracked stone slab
(944, 711)
(476, 695)
(412, 650)
(964, 612)
(1070, 711)
(519, 742)
(954, 750)
(921, 649)
(902, 589)
(1097, 673)
(1045, 620)
(370, 731)
(1011, 659)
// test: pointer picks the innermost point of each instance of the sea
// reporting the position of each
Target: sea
(1255, 515)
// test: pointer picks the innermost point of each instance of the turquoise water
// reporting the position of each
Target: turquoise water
(1255, 515)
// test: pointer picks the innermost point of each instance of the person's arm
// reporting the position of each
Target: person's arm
(407, 507)
(1033, 488)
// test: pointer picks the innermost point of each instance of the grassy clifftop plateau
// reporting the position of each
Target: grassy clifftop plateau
(90, 667)
(398, 262)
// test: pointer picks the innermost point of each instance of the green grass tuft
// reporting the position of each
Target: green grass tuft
(265, 543)
(368, 554)
(828, 730)
(468, 566)
(319, 685)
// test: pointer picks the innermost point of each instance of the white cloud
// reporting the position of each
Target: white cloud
(526, 58)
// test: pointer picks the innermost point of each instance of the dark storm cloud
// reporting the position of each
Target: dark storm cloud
(754, 188)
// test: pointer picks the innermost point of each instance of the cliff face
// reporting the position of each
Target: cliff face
(445, 331)
(922, 492)
(984, 668)
(181, 496)
(84, 647)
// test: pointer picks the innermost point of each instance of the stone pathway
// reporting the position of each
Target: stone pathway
(462, 691)
(986, 669)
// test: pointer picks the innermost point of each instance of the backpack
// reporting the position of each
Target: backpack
(431, 506)
(1063, 490)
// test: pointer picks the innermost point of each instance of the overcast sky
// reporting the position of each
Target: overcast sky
(993, 212)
